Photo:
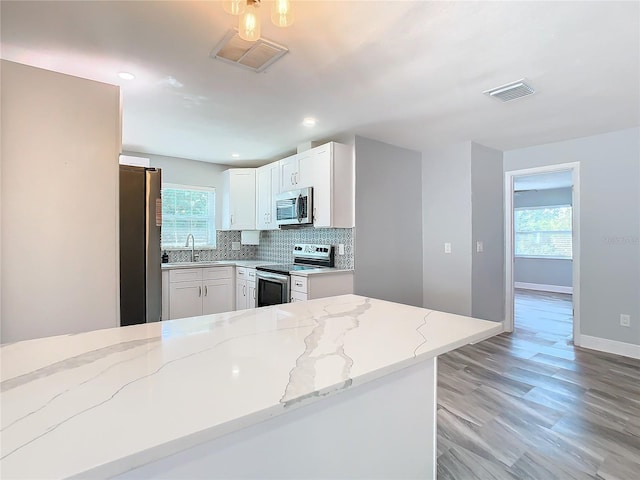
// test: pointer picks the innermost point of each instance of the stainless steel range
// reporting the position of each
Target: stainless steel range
(273, 281)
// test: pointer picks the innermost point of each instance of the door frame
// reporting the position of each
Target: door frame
(509, 176)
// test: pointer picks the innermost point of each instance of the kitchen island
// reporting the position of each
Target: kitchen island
(335, 387)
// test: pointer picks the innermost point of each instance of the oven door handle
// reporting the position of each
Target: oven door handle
(272, 276)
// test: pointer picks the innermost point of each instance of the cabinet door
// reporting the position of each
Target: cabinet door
(298, 297)
(251, 295)
(305, 176)
(322, 181)
(288, 173)
(241, 294)
(266, 188)
(185, 299)
(242, 199)
(217, 296)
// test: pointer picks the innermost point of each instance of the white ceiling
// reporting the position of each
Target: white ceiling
(409, 73)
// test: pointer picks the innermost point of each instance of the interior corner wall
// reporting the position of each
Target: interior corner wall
(487, 224)
(609, 225)
(388, 238)
(183, 171)
(446, 207)
(60, 147)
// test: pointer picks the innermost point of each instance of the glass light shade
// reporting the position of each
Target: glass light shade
(234, 7)
(282, 13)
(249, 26)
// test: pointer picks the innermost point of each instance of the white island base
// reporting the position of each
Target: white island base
(383, 429)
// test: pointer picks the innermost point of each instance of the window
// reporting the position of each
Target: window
(187, 209)
(543, 231)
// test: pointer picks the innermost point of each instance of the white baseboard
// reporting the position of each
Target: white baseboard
(610, 346)
(543, 288)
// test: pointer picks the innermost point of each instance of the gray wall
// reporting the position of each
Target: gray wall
(388, 238)
(446, 207)
(189, 172)
(609, 225)
(543, 271)
(487, 223)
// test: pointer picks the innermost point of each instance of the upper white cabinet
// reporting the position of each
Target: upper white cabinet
(296, 172)
(267, 187)
(239, 199)
(333, 185)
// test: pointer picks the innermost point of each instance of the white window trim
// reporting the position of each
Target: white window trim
(540, 207)
(182, 186)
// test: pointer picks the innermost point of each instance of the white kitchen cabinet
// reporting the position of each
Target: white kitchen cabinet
(267, 187)
(296, 172)
(333, 186)
(200, 291)
(239, 199)
(320, 285)
(245, 288)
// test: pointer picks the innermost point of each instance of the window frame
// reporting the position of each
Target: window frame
(539, 207)
(180, 186)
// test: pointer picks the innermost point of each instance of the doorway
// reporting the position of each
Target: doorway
(529, 244)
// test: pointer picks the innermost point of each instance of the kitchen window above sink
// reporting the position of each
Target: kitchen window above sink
(188, 209)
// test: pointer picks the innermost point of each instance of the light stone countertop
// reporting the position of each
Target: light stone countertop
(101, 403)
(251, 264)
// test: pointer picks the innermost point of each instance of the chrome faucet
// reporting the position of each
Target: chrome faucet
(193, 246)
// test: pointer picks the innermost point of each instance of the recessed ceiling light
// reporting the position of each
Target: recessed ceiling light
(309, 122)
(126, 75)
(235, 155)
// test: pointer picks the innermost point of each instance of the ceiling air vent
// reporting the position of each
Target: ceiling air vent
(510, 91)
(256, 56)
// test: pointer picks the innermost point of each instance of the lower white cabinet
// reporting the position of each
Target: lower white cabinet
(320, 285)
(200, 291)
(245, 288)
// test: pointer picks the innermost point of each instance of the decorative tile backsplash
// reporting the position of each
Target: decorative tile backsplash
(222, 251)
(277, 245)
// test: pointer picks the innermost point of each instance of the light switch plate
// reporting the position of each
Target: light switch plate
(625, 320)
(479, 246)
(341, 249)
(447, 247)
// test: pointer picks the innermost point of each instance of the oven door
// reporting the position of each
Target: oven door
(271, 289)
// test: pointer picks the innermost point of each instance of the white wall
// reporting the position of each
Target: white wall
(487, 222)
(388, 234)
(609, 225)
(189, 172)
(446, 208)
(60, 145)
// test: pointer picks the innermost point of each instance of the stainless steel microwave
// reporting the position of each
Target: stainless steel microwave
(295, 207)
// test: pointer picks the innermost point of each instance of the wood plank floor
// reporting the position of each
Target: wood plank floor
(530, 405)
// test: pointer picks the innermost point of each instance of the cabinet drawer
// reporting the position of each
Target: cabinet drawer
(251, 274)
(298, 297)
(216, 273)
(185, 275)
(241, 273)
(298, 284)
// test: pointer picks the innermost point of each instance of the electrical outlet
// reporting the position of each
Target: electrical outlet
(341, 249)
(479, 246)
(625, 320)
(447, 247)
(235, 245)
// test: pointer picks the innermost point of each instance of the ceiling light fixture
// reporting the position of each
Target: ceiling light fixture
(249, 12)
(235, 155)
(309, 122)
(126, 75)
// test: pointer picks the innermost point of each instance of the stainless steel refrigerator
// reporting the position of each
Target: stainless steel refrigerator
(140, 258)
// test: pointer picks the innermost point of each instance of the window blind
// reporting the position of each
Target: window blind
(543, 231)
(188, 210)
